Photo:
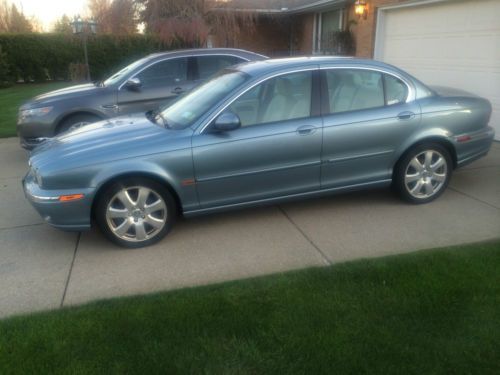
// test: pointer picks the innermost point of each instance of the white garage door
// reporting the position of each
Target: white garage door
(450, 43)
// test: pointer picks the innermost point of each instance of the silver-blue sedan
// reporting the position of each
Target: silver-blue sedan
(259, 133)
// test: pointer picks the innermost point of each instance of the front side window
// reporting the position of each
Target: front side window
(165, 73)
(282, 98)
(209, 65)
(121, 74)
(354, 89)
(191, 107)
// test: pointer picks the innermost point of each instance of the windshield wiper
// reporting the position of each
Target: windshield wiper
(153, 116)
(163, 119)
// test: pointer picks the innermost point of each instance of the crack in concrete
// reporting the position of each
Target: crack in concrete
(472, 197)
(326, 260)
(70, 269)
(23, 226)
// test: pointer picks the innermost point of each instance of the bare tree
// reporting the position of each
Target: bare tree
(191, 21)
(62, 25)
(114, 16)
(13, 20)
(4, 16)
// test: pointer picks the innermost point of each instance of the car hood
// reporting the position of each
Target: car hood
(115, 139)
(66, 93)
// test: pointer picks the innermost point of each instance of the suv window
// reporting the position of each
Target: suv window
(209, 65)
(354, 89)
(165, 73)
(396, 90)
(282, 98)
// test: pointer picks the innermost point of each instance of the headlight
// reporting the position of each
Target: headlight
(35, 112)
(37, 176)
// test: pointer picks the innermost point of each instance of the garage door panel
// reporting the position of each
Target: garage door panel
(449, 43)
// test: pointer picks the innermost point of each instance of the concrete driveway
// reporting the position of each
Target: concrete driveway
(43, 268)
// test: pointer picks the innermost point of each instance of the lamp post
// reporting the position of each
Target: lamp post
(84, 28)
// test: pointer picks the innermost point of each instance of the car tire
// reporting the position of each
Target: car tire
(135, 212)
(423, 173)
(76, 121)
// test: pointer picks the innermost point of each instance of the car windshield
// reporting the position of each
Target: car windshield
(188, 109)
(119, 75)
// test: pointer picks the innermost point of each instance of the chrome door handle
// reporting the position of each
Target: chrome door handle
(177, 90)
(406, 115)
(306, 129)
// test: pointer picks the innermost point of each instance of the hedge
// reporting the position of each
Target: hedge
(39, 57)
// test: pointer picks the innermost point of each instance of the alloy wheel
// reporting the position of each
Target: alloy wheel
(136, 213)
(426, 174)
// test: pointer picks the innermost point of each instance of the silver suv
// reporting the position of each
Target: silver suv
(140, 87)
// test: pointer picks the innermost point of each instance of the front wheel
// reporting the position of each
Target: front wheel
(423, 173)
(76, 121)
(135, 212)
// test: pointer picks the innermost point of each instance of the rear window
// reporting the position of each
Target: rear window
(209, 65)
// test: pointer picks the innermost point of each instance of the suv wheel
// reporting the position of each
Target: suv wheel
(77, 121)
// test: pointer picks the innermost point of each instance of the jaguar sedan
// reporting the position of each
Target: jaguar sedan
(259, 133)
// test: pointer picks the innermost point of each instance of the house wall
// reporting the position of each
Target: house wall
(278, 36)
(303, 26)
(270, 37)
(364, 30)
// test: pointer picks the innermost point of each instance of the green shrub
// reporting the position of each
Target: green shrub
(5, 78)
(38, 57)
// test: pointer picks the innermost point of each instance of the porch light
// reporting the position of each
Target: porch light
(361, 8)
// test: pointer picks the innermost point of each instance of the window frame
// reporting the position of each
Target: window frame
(325, 103)
(318, 28)
(315, 96)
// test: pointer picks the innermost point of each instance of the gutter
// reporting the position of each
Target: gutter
(317, 5)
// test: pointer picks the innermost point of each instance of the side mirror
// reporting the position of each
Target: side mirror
(133, 84)
(227, 121)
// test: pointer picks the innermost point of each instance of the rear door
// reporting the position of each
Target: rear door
(366, 116)
(161, 82)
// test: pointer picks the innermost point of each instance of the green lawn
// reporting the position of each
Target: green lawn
(430, 312)
(11, 98)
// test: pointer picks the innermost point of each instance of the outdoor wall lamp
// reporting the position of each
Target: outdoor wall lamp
(361, 9)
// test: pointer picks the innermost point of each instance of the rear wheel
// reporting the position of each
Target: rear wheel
(77, 121)
(135, 212)
(423, 173)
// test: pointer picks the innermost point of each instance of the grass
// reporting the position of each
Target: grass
(431, 312)
(11, 98)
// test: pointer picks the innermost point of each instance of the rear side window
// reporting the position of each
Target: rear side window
(354, 89)
(209, 65)
(164, 73)
(396, 90)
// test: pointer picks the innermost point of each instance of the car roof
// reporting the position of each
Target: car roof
(208, 51)
(259, 67)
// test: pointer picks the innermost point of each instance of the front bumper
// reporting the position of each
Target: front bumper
(30, 143)
(32, 133)
(72, 216)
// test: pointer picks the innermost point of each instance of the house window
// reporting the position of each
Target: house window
(326, 25)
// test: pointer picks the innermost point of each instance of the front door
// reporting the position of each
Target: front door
(276, 151)
(161, 83)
